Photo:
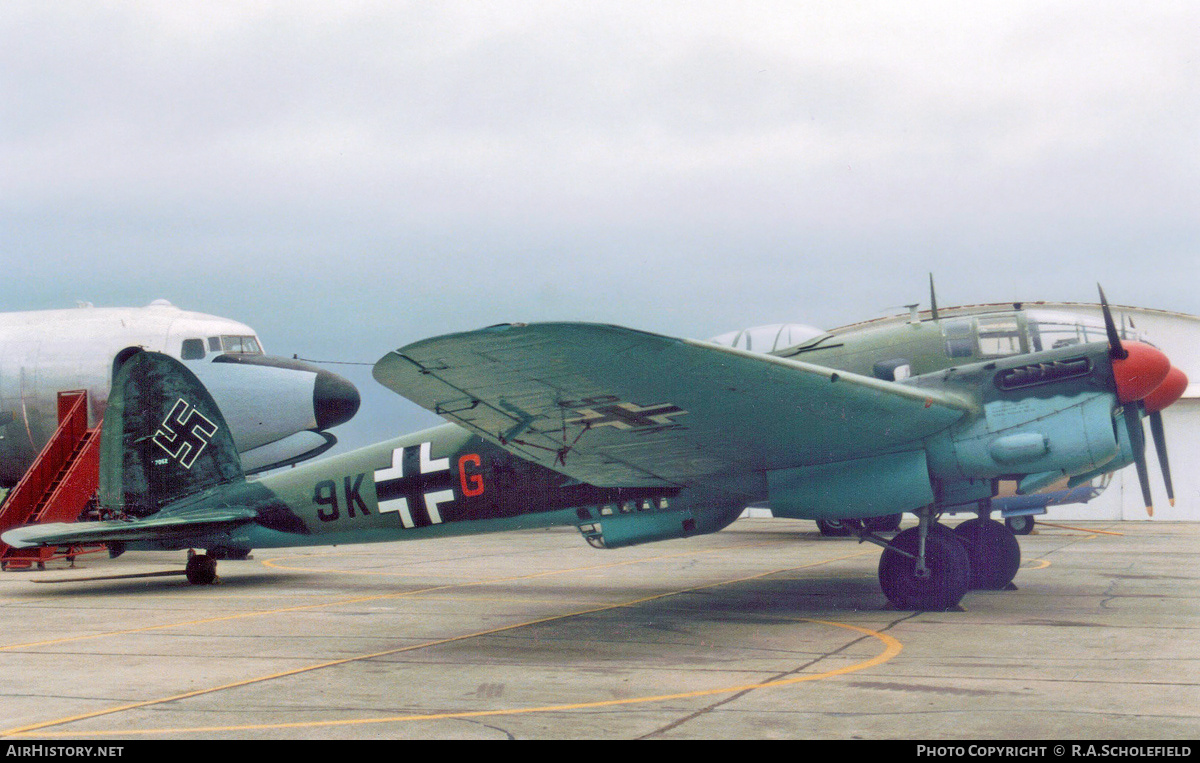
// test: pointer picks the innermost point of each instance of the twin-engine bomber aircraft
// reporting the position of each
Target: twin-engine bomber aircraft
(635, 437)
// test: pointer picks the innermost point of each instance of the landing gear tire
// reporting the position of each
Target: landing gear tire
(833, 528)
(947, 575)
(201, 569)
(994, 553)
(1020, 525)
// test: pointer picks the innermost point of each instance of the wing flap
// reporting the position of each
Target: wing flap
(615, 406)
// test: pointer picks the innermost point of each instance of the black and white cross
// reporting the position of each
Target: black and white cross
(627, 415)
(413, 485)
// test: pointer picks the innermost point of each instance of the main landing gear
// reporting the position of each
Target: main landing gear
(924, 567)
(931, 567)
(994, 553)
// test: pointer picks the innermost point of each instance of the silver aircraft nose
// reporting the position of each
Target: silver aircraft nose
(335, 400)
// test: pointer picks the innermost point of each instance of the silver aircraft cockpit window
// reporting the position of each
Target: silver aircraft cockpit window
(192, 349)
(243, 345)
(772, 338)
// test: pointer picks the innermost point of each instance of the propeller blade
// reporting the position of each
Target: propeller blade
(1137, 439)
(1115, 349)
(1160, 447)
(1138, 368)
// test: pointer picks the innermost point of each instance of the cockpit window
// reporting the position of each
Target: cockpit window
(1000, 337)
(989, 336)
(214, 344)
(245, 345)
(193, 349)
(1053, 330)
(960, 339)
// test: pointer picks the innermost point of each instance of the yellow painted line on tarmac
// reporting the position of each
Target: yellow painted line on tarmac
(1080, 529)
(274, 562)
(37, 728)
(220, 618)
(892, 647)
(1041, 564)
(354, 600)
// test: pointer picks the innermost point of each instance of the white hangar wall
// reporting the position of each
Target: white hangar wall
(1178, 335)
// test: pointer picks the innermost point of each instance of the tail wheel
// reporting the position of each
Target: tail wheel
(994, 552)
(946, 577)
(201, 569)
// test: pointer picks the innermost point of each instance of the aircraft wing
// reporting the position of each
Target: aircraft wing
(181, 525)
(613, 406)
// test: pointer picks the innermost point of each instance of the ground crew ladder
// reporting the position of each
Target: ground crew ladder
(57, 486)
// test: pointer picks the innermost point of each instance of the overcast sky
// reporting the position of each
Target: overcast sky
(348, 177)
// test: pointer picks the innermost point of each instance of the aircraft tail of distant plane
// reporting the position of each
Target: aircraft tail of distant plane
(163, 438)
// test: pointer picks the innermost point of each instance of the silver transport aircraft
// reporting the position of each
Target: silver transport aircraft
(278, 409)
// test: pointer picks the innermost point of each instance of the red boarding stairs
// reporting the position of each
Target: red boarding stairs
(58, 487)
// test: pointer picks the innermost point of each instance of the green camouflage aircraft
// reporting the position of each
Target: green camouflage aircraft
(933, 340)
(635, 437)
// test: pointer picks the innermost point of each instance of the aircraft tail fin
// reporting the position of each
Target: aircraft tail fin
(163, 438)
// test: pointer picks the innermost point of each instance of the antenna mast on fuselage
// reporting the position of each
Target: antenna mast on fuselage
(933, 311)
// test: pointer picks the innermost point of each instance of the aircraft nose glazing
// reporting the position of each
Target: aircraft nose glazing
(335, 400)
(1139, 373)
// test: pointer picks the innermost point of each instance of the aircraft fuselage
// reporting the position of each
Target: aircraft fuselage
(446, 481)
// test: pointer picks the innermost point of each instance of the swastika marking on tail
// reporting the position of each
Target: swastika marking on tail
(184, 433)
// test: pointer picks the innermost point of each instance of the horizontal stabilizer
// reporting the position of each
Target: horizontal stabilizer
(155, 528)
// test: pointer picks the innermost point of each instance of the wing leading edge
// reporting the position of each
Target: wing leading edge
(613, 406)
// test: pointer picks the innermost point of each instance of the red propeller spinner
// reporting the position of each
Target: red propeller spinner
(1140, 372)
(1171, 389)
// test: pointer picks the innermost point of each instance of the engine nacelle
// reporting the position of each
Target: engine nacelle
(1125, 455)
(1053, 435)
